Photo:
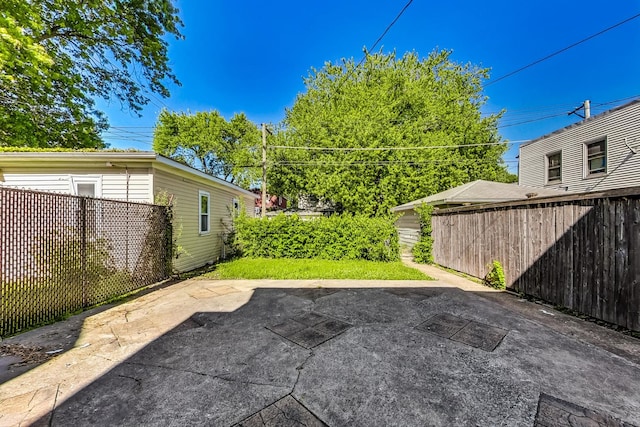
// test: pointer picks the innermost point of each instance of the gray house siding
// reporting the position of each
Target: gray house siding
(622, 165)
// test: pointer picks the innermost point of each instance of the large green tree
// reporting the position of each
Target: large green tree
(407, 103)
(206, 141)
(57, 56)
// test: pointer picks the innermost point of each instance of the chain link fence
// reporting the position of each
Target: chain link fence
(61, 253)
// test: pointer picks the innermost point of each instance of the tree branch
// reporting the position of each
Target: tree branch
(68, 34)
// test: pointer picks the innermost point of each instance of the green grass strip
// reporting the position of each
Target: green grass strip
(300, 269)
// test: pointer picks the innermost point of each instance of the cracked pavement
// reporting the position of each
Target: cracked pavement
(204, 352)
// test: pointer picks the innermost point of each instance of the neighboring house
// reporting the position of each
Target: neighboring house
(599, 153)
(202, 204)
(273, 202)
(310, 203)
(471, 193)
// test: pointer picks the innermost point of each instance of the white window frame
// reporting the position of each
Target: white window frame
(206, 194)
(548, 167)
(235, 205)
(587, 170)
(74, 180)
(93, 218)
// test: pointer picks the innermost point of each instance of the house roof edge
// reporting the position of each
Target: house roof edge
(583, 122)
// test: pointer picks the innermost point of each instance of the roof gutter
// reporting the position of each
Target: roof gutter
(77, 156)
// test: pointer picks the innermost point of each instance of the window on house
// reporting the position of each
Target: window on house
(596, 155)
(236, 205)
(204, 209)
(86, 185)
(554, 168)
(88, 213)
(86, 189)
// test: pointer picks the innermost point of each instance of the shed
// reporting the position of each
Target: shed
(202, 204)
(471, 193)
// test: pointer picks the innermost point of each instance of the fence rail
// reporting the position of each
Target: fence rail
(578, 251)
(60, 253)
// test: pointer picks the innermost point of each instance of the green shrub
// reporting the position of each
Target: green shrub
(423, 249)
(338, 237)
(495, 276)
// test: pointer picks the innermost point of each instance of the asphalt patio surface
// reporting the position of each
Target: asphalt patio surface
(338, 353)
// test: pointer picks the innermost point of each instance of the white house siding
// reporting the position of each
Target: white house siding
(205, 248)
(114, 185)
(113, 182)
(53, 182)
(408, 226)
(623, 167)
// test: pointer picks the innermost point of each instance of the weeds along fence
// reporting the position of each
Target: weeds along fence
(578, 251)
(61, 253)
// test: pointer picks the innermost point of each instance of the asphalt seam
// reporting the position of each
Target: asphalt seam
(138, 381)
(219, 377)
(308, 410)
(300, 368)
(54, 407)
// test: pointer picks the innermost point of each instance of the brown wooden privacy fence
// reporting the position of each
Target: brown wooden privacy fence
(61, 253)
(578, 251)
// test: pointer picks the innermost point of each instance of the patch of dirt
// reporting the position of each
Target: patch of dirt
(28, 355)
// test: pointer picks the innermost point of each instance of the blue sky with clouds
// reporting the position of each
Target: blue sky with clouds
(251, 56)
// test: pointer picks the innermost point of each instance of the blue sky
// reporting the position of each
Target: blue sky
(251, 56)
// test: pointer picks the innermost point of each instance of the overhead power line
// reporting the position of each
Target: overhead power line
(132, 127)
(628, 98)
(386, 163)
(457, 162)
(373, 46)
(384, 33)
(107, 139)
(424, 147)
(564, 113)
(560, 51)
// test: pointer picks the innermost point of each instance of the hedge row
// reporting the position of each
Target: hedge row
(336, 237)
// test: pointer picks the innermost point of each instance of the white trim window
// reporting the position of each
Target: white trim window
(88, 213)
(554, 168)
(86, 185)
(235, 203)
(204, 212)
(595, 154)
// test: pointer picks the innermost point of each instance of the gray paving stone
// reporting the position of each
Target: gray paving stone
(286, 412)
(312, 294)
(443, 324)
(480, 336)
(383, 370)
(309, 338)
(332, 327)
(417, 294)
(287, 327)
(554, 412)
(310, 319)
(190, 323)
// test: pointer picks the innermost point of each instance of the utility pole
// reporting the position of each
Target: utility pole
(264, 171)
(587, 109)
